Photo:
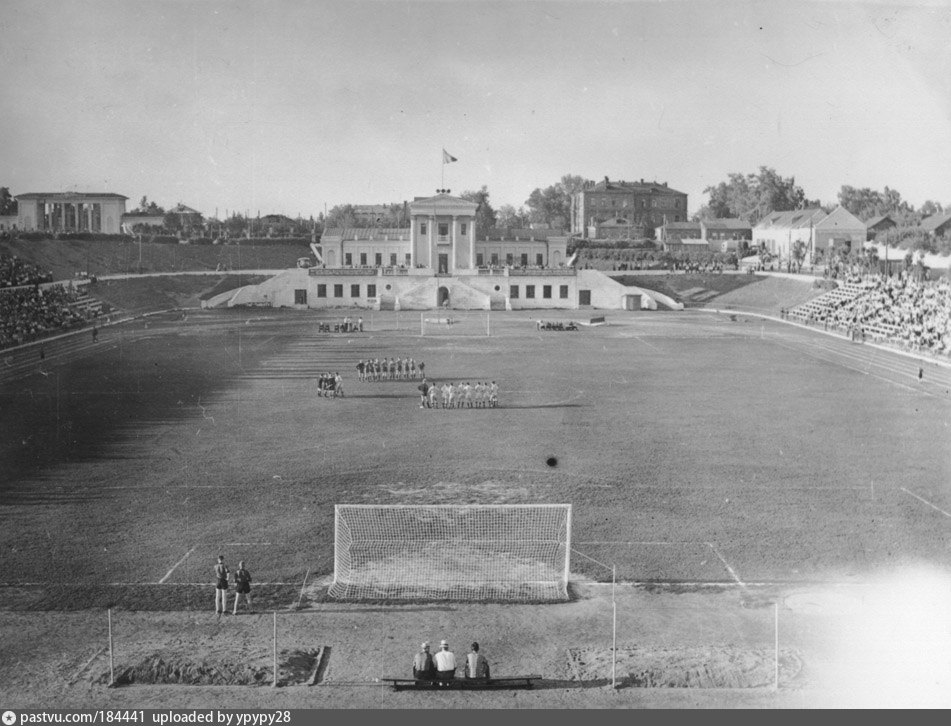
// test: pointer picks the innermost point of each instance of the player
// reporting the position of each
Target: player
(478, 390)
(432, 396)
(466, 398)
(452, 396)
(360, 368)
(493, 395)
(424, 394)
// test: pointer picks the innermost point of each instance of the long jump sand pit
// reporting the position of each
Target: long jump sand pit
(713, 666)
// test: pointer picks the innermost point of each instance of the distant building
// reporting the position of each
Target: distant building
(878, 224)
(777, 232)
(70, 212)
(937, 225)
(648, 204)
(134, 222)
(839, 228)
(726, 235)
(617, 228)
(677, 232)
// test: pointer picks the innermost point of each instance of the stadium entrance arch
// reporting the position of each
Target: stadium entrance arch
(442, 297)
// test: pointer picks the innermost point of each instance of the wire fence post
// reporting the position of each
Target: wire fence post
(112, 662)
(613, 628)
(776, 645)
(274, 683)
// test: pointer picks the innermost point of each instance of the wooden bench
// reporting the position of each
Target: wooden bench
(461, 684)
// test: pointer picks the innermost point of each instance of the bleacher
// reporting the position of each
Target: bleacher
(820, 308)
(86, 306)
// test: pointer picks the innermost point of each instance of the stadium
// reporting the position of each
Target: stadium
(715, 506)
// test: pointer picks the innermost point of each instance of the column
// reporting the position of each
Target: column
(433, 256)
(471, 236)
(452, 244)
(412, 242)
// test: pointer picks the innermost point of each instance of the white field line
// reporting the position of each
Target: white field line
(585, 583)
(666, 544)
(133, 584)
(727, 565)
(925, 501)
(175, 566)
(815, 355)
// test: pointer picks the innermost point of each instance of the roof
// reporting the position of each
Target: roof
(682, 226)
(794, 219)
(394, 234)
(444, 203)
(66, 196)
(182, 209)
(842, 219)
(935, 222)
(618, 222)
(875, 221)
(642, 186)
(726, 223)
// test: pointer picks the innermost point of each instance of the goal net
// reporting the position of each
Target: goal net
(455, 322)
(514, 552)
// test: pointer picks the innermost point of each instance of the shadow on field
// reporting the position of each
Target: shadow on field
(543, 405)
(560, 683)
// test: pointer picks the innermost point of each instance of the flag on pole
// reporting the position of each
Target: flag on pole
(448, 158)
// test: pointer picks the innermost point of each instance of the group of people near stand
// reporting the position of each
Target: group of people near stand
(390, 369)
(449, 395)
(441, 665)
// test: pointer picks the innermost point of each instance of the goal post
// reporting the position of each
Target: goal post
(463, 552)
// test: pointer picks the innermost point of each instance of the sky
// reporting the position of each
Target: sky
(293, 107)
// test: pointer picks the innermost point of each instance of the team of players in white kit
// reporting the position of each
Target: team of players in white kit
(480, 395)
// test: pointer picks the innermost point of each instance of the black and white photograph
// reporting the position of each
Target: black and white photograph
(423, 356)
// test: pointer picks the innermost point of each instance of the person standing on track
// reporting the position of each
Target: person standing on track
(242, 586)
(221, 587)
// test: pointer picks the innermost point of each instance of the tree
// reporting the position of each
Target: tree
(341, 215)
(149, 207)
(509, 217)
(552, 205)
(8, 205)
(485, 215)
(753, 196)
(799, 251)
(866, 203)
(931, 207)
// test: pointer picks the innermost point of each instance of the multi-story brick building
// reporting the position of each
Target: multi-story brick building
(644, 204)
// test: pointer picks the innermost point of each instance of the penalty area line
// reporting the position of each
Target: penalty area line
(726, 565)
(175, 566)
(925, 501)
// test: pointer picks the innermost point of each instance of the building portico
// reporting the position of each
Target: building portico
(442, 233)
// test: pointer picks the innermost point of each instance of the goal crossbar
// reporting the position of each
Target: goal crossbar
(517, 552)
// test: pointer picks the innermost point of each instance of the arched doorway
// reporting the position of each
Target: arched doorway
(556, 258)
(331, 258)
(442, 297)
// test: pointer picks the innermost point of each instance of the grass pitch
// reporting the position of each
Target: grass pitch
(694, 448)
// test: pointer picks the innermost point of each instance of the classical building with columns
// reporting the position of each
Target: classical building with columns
(439, 262)
(70, 212)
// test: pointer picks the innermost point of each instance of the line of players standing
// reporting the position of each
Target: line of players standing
(447, 395)
(390, 369)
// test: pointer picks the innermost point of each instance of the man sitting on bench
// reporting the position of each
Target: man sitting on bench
(445, 661)
(423, 668)
(476, 665)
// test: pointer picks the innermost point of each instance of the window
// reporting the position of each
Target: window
(409, 259)
(513, 292)
(321, 291)
(479, 259)
(355, 291)
(563, 292)
(444, 229)
(463, 229)
(530, 291)
(539, 259)
(371, 290)
(524, 259)
(378, 257)
(509, 259)
(392, 259)
(363, 259)
(300, 297)
(546, 292)
(494, 259)
(348, 259)
(338, 290)
(422, 228)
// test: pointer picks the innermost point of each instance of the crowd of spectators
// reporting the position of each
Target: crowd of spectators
(30, 313)
(915, 313)
(15, 272)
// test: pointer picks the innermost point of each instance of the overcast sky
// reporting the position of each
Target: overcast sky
(289, 106)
